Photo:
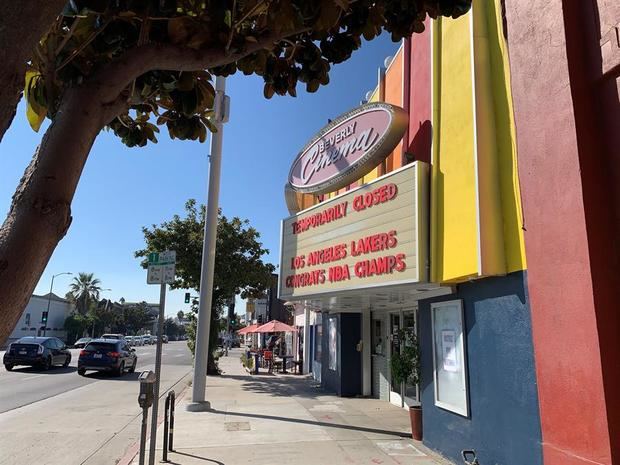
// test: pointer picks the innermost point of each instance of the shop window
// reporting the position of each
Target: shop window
(449, 368)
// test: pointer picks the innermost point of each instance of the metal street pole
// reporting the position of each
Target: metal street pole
(199, 384)
(160, 330)
(106, 308)
(49, 300)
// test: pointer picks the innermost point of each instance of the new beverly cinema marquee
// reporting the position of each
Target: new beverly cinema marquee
(370, 236)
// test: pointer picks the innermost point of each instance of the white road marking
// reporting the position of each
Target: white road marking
(25, 378)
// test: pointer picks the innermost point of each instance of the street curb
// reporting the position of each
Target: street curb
(134, 449)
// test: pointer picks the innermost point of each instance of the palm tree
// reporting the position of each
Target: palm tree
(84, 289)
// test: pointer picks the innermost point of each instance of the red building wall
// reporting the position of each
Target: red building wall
(568, 120)
(419, 75)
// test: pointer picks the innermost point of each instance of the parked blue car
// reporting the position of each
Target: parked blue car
(111, 355)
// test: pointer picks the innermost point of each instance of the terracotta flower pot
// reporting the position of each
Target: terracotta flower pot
(415, 414)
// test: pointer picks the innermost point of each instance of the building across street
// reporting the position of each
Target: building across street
(36, 320)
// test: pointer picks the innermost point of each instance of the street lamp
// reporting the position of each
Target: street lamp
(49, 301)
(106, 309)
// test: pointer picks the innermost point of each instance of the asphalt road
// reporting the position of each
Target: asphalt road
(97, 415)
(25, 385)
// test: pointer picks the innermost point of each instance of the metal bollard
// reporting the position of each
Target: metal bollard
(171, 432)
(166, 409)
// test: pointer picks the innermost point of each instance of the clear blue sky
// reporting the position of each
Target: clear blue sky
(123, 189)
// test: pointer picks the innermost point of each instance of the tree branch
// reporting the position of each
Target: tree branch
(22, 23)
(113, 78)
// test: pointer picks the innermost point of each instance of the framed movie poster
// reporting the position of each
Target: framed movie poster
(449, 368)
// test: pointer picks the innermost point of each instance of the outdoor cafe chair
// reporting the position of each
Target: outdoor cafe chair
(268, 359)
(277, 365)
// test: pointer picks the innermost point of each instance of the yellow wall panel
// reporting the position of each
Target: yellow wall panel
(490, 217)
(506, 145)
(454, 228)
(476, 209)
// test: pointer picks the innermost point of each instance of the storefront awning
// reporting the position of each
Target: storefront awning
(247, 329)
(275, 326)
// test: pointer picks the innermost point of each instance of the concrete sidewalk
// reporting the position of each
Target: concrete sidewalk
(287, 419)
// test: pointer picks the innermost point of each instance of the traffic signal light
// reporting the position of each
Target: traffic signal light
(187, 297)
(44, 317)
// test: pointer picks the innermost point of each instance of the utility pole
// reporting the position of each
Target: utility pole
(199, 384)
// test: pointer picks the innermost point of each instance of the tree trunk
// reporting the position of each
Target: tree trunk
(22, 24)
(40, 213)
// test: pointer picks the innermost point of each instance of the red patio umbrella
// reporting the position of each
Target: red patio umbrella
(248, 329)
(275, 326)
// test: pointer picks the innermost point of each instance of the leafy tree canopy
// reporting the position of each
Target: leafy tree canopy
(136, 317)
(172, 328)
(160, 55)
(239, 268)
(76, 325)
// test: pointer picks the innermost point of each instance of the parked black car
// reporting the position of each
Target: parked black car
(112, 355)
(44, 352)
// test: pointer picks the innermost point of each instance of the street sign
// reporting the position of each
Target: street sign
(161, 268)
(160, 271)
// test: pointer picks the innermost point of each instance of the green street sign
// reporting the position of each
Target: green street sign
(162, 258)
(161, 269)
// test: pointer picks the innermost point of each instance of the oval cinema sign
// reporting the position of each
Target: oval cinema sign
(348, 148)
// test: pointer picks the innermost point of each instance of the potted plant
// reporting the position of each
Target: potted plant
(405, 367)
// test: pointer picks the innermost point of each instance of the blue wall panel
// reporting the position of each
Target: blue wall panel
(504, 422)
